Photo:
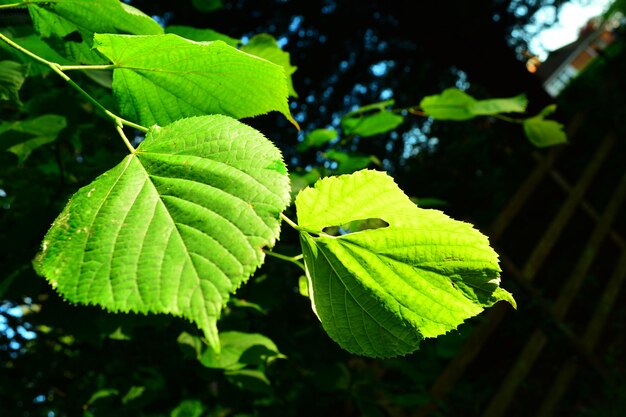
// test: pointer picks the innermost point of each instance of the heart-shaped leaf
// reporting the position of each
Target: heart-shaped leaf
(175, 227)
(163, 78)
(379, 292)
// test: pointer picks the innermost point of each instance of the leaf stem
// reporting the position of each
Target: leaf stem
(86, 67)
(119, 127)
(508, 119)
(12, 5)
(292, 259)
(290, 222)
(59, 70)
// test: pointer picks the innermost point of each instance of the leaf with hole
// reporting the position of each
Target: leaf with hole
(175, 227)
(163, 78)
(378, 292)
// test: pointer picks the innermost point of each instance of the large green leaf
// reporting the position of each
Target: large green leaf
(163, 78)
(379, 292)
(69, 25)
(175, 227)
(454, 104)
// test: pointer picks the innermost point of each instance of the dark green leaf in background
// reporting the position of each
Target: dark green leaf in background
(24, 136)
(371, 120)
(454, 104)
(316, 138)
(12, 76)
(239, 350)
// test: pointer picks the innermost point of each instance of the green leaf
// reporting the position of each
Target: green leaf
(371, 125)
(190, 345)
(188, 408)
(348, 163)
(181, 78)
(239, 350)
(454, 104)
(62, 17)
(265, 46)
(174, 228)
(543, 133)
(201, 35)
(133, 393)
(489, 107)
(102, 393)
(249, 380)
(316, 138)
(40, 48)
(24, 136)
(207, 5)
(379, 292)
(371, 120)
(69, 25)
(12, 76)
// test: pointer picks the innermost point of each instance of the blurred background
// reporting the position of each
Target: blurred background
(554, 214)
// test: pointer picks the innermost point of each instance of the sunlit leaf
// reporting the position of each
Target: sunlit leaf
(160, 79)
(69, 25)
(543, 133)
(174, 228)
(202, 35)
(379, 292)
(265, 46)
(239, 350)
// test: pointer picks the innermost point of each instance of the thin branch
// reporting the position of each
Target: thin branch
(120, 130)
(291, 259)
(12, 5)
(86, 67)
(290, 222)
(59, 70)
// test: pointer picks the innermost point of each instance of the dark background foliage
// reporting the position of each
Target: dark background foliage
(54, 357)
